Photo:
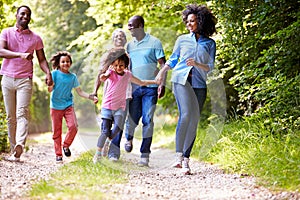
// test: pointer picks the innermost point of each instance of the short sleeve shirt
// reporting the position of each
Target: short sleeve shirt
(115, 94)
(24, 41)
(144, 55)
(61, 95)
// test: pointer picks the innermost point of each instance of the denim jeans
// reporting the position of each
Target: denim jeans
(142, 105)
(190, 102)
(17, 94)
(110, 117)
(114, 148)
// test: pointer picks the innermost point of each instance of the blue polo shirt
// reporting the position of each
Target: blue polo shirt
(203, 51)
(144, 55)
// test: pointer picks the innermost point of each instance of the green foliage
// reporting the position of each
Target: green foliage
(259, 58)
(246, 147)
(39, 110)
(3, 127)
(4, 22)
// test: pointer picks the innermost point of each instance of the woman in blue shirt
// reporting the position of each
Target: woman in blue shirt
(192, 58)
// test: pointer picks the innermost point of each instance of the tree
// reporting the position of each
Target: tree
(4, 9)
(260, 59)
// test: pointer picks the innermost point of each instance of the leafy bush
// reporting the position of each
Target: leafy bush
(260, 59)
(3, 127)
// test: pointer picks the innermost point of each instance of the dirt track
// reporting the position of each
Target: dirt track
(159, 181)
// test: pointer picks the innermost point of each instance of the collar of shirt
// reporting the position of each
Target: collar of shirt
(145, 39)
(26, 31)
(193, 35)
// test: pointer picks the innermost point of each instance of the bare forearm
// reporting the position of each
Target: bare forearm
(97, 84)
(4, 53)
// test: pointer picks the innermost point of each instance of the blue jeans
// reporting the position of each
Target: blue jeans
(142, 105)
(114, 148)
(190, 102)
(109, 118)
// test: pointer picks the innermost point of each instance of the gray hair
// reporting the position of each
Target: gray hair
(117, 31)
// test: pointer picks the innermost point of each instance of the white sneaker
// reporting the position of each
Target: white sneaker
(113, 159)
(178, 160)
(12, 158)
(106, 147)
(185, 166)
(97, 158)
(144, 162)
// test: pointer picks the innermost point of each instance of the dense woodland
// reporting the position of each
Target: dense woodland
(257, 52)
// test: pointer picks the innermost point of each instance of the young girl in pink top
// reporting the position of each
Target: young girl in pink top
(114, 99)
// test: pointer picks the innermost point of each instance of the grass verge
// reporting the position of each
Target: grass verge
(80, 179)
(248, 148)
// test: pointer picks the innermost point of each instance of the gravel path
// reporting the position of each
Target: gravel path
(159, 181)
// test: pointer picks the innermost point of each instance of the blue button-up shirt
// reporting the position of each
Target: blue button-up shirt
(203, 51)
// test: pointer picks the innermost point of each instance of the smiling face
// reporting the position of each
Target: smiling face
(119, 66)
(65, 64)
(134, 26)
(119, 39)
(23, 17)
(191, 23)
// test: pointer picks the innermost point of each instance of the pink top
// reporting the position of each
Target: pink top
(115, 95)
(19, 41)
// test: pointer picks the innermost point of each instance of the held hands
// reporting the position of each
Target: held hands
(49, 80)
(94, 98)
(159, 78)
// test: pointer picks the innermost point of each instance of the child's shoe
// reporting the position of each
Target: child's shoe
(97, 157)
(59, 159)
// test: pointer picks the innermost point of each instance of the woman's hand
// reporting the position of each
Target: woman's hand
(191, 62)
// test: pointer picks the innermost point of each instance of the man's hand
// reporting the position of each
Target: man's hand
(26, 56)
(161, 91)
(49, 80)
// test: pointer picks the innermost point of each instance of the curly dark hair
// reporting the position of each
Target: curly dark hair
(56, 58)
(206, 20)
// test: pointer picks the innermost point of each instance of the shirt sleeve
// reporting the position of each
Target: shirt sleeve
(39, 43)
(173, 59)
(76, 82)
(3, 35)
(212, 55)
(159, 51)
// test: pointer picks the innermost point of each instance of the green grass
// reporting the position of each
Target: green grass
(250, 149)
(81, 179)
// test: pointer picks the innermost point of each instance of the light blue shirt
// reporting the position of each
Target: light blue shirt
(61, 95)
(203, 51)
(144, 55)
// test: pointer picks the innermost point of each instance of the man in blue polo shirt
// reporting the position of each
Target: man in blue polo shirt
(145, 53)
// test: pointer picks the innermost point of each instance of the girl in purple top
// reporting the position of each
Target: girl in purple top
(114, 99)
